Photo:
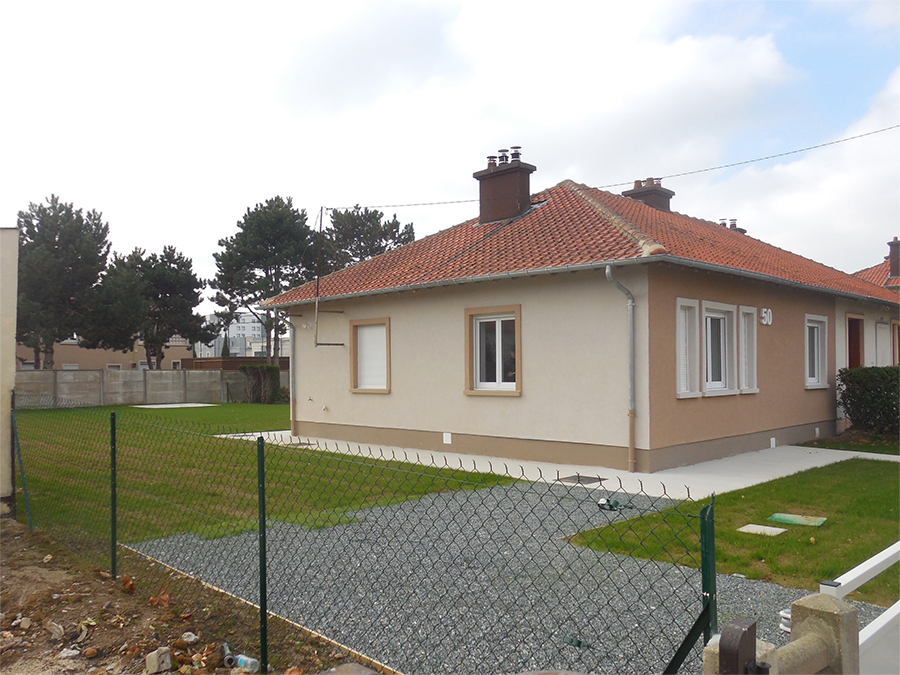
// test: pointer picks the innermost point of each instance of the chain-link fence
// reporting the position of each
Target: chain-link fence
(408, 562)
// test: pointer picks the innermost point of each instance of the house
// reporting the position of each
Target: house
(886, 349)
(69, 355)
(580, 326)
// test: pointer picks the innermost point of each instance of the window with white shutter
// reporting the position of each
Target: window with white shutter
(370, 346)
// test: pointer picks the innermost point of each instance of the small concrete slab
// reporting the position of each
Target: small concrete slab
(762, 529)
(792, 519)
(177, 405)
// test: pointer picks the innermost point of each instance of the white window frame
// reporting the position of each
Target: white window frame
(475, 318)
(815, 351)
(370, 340)
(687, 348)
(748, 320)
(727, 385)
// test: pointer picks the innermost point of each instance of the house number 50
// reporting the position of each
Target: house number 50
(765, 316)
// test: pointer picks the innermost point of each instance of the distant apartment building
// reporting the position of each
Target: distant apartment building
(246, 337)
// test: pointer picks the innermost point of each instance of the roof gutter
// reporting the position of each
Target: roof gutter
(631, 413)
(599, 265)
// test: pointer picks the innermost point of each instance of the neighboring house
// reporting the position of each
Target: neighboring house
(886, 348)
(508, 335)
(68, 355)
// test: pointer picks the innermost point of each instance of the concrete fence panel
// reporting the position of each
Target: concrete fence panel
(82, 385)
(123, 387)
(165, 386)
(136, 387)
(39, 382)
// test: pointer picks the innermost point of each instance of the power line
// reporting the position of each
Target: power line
(762, 159)
(673, 175)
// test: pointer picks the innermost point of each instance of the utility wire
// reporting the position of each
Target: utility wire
(762, 159)
(673, 175)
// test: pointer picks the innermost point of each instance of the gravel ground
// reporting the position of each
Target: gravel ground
(481, 582)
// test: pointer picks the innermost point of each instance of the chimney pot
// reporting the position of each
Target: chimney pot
(516, 154)
(492, 161)
(652, 193)
(504, 155)
(733, 223)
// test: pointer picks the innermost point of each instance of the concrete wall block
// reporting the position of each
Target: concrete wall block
(35, 381)
(203, 386)
(233, 385)
(123, 387)
(83, 386)
(165, 386)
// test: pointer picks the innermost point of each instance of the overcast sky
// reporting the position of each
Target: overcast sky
(172, 118)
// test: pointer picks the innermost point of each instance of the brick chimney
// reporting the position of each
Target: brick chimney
(894, 258)
(652, 193)
(504, 186)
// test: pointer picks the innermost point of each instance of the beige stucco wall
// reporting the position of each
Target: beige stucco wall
(783, 402)
(574, 366)
(9, 254)
(100, 359)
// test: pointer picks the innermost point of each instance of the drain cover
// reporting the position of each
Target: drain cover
(581, 480)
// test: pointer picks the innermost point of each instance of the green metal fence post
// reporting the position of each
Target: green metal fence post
(707, 622)
(112, 485)
(263, 609)
(708, 565)
(15, 433)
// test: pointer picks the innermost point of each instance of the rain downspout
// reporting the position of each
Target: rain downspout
(631, 415)
(291, 365)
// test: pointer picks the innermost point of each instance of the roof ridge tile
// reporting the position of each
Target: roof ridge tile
(647, 244)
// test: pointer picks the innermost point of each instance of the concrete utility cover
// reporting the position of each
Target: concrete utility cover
(581, 480)
(791, 519)
(177, 405)
(762, 529)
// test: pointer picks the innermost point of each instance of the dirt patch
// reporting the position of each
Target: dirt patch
(58, 615)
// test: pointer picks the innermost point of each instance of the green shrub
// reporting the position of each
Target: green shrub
(263, 383)
(870, 397)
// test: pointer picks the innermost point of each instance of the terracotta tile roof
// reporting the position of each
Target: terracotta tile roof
(573, 225)
(876, 274)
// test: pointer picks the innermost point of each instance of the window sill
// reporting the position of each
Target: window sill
(370, 391)
(688, 394)
(749, 390)
(816, 386)
(493, 392)
(720, 392)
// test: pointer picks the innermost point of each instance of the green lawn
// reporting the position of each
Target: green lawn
(885, 444)
(175, 475)
(859, 498)
(245, 416)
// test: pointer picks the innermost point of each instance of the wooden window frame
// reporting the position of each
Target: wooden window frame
(503, 311)
(354, 355)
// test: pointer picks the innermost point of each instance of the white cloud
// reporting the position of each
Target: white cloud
(174, 118)
(838, 205)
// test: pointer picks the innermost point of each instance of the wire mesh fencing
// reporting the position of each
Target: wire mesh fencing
(413, 564)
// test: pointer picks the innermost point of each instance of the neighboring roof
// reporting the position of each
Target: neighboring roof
(572, 226)
(876, 274)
